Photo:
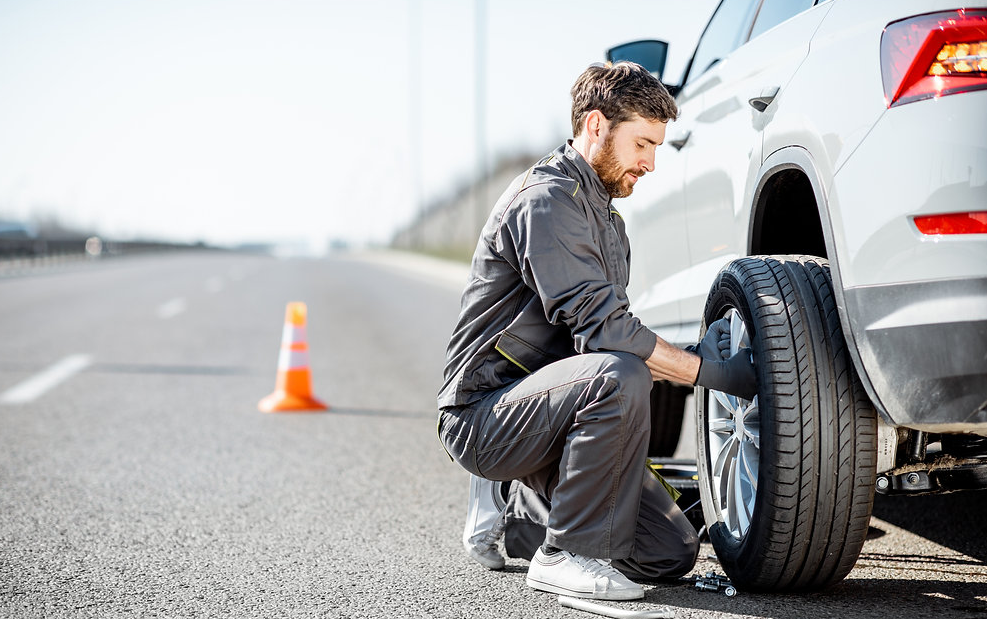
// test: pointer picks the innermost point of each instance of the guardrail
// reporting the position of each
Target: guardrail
(17, 254)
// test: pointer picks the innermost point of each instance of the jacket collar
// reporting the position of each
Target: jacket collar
(583, 172)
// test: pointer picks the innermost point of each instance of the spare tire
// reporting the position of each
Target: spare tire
(786, 480)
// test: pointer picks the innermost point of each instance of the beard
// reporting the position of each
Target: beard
(611, 172)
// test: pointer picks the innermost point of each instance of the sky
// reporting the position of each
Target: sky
(304, 121)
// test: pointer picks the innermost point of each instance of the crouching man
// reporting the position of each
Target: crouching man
(548, 375)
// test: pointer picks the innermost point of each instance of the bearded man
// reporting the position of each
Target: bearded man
(548, 374)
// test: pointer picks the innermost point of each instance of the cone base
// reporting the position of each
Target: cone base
(280, 401)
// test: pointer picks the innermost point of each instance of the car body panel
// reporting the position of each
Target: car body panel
(711, 104)
(909, 169)
(726, 145)
(658, 216)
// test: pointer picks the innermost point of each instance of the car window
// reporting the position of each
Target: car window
(773, 12)
(724, 33)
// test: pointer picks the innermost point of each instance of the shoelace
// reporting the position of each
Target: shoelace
(596, 567)
(491, 537)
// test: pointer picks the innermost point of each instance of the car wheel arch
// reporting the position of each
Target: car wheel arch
(788, 172)
(796, 160)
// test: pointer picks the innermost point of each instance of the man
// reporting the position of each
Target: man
(548, 375)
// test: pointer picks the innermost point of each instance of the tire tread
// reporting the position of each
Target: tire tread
(818, 434)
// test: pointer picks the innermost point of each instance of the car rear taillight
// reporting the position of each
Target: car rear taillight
(953, 223)
(934, 55)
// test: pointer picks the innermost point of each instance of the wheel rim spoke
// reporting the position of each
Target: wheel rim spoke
(724, 473)
(723, 425)
(726, 401)
(752, 425)
(738, 331)
(721, 467)
(740, 508)
(729, 507)
(749, 463)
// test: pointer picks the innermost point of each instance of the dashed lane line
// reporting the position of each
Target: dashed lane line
(46, 380)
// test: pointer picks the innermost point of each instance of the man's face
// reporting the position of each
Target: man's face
(626, 153)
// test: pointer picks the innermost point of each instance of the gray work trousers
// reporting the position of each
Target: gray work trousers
(575, 432)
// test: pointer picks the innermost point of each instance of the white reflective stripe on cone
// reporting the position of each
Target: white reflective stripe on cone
(292, 359)
(291, 333)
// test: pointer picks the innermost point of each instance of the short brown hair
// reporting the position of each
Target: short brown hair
(620, 91)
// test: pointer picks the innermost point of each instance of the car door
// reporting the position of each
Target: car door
(724, 150)
(655, 217)
(655, 213)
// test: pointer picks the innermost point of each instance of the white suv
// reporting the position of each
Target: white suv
(825, 186)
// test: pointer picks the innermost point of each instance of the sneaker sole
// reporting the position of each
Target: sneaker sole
(490, 564)
(619, 595)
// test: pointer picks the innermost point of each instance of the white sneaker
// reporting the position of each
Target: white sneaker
(583, 577)
(485, 521)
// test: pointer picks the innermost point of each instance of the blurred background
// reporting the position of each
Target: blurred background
(298, 126)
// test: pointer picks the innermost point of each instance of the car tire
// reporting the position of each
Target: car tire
(786, 480)
(667, 411)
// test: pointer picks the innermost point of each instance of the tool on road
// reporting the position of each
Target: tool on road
(293, 388)
(612, 611)
(713, 582)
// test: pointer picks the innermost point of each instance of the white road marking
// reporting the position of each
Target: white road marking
(172, 308)
(36, 386)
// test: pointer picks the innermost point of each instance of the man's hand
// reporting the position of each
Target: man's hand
(735, 375)
(715, 345)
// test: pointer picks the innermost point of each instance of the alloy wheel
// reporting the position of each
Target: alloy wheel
(735, 445)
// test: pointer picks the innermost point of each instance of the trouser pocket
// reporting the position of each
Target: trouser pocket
(513, 438)
(455, 433)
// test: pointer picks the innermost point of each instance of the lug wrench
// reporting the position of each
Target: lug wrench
(610, 611)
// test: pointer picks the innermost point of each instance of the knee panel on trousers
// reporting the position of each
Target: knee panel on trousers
(633, 383)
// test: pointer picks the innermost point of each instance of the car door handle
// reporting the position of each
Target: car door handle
(762, 101)
(679, 141)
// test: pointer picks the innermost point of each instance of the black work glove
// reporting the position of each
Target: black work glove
(735, 375)
(715, 344)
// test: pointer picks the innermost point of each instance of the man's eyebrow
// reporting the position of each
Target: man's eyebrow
(648, 140)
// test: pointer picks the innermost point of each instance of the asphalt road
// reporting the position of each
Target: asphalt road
(140, 480)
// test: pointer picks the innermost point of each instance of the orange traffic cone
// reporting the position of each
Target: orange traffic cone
(293, 390)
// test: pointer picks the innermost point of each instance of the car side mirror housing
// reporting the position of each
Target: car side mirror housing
(650, 54)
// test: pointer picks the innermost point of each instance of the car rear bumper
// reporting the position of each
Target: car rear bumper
(923, 348)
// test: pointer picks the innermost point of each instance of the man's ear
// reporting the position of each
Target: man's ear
(596, 126)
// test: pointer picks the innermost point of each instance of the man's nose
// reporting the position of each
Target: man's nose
(648, 163)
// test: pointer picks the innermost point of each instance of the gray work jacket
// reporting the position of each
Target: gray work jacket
(547, 281)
